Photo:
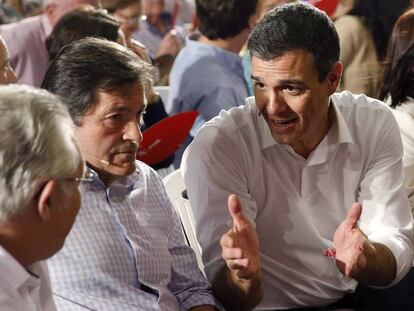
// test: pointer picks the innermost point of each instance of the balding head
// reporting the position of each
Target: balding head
(55, 9)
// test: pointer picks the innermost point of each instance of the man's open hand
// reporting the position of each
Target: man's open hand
(352, 245)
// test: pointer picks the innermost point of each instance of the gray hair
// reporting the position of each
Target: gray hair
(36, 144)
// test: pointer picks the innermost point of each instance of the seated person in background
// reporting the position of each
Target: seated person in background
(158, 31)
(26, 39)
(41, 167)
(82, 23)
(315, 173)
(127, 12)
(397, 90)
(364, 34)
(7, 74)
(126, 250)
(207, 74)
(186, 9)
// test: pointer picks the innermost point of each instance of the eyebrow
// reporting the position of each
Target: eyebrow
(283, 82)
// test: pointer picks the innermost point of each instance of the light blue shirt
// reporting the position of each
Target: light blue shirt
(207, 79)
(127, 235)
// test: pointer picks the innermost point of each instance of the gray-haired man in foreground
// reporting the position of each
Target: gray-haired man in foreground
(41, 168)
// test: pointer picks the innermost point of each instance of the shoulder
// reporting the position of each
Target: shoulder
(349, 22)
(365, 117)
(23, 28)
(229, 130)
(350, 103)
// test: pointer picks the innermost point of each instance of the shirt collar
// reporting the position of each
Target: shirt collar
(122, 182)
(11, 270)
(229, 59)
(339, 127)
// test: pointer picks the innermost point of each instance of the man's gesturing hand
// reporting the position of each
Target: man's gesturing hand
(240, 245)
(352, 246)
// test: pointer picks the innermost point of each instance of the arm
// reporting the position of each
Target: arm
(187, 284)
(238, 285)
(382, 233)
(209, 183)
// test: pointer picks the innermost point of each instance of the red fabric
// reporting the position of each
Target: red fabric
(163, 138)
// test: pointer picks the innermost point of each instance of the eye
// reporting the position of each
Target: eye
(259, 85)
(292, 90)
(115, 120)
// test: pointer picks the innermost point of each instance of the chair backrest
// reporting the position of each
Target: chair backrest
(174, 184)
(163, 91)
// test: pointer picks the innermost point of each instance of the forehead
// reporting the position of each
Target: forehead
(129, 97)
(131, 10)
(292, 63)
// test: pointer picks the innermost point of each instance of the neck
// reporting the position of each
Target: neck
(305, 149)
(17, 244)
(233, 44)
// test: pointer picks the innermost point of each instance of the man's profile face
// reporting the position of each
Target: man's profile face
(109, 132)
(292, 100)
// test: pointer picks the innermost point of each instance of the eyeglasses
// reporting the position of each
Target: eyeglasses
(130, 21)
(88, 178)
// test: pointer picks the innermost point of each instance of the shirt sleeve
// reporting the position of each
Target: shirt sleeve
(188, 284)
(386, 216)
(214, 167)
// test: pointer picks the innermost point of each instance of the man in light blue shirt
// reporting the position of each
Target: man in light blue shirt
(207, 74)
(126, 250)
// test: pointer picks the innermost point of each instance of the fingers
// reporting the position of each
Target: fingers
(235, 210)
(139, 49)
(353, 216)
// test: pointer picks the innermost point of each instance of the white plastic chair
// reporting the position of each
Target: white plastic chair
(163, 91)
(174, 184)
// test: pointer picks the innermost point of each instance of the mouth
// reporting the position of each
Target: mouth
(284, 123)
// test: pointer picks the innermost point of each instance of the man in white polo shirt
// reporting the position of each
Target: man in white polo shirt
(317, 175)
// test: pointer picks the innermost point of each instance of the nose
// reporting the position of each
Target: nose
(276, 104)
(133, 132)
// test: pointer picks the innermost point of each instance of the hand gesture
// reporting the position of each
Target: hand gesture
(169, 45)
(240, 245)
(352, 246)
(139, 49)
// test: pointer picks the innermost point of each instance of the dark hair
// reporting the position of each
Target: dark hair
(379, 16)
(296, 26)
(78, 24)
(113, 5)
(222, 19)
(91, 65)
(398, 81)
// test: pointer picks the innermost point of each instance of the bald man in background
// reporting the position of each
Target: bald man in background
(26, 39)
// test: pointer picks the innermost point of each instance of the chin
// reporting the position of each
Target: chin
(126, 169)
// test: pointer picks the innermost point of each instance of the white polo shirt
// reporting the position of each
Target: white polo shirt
(22, 289)
(296, 204)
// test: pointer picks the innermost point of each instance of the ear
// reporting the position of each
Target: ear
(252, 22)
(333, 77)
(49, 10)
(45, 199)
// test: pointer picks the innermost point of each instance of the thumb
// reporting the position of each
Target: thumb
(239, 221)
(353, 216)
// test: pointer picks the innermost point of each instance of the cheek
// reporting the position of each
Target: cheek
(261, 100)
